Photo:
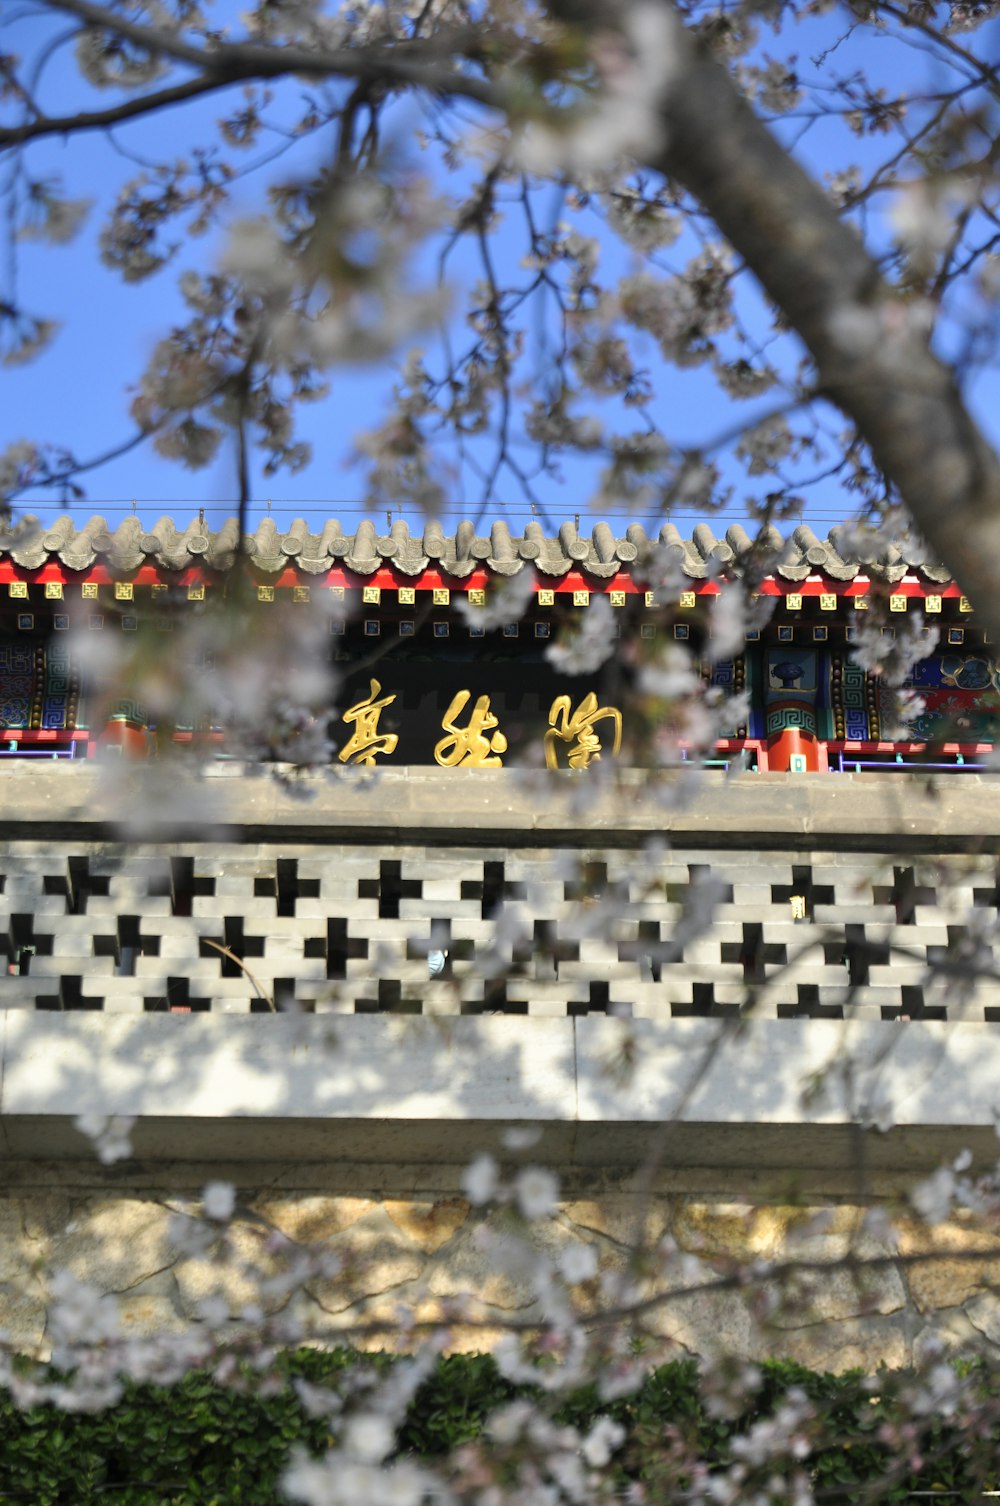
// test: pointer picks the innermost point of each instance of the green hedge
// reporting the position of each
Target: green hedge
(197, 1444)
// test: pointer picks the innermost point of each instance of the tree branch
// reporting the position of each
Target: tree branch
(872, 357)
(421, 63)
(129, 109)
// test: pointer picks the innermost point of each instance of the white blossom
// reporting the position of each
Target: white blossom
(590, 643)
(506, 602)
(578, 1262)
(368, 1436)
(933, 1197)
(922, 218)
(110, 1133)
(537, 1191)
(602, 1440)
(219, 1201)
(481, 1180)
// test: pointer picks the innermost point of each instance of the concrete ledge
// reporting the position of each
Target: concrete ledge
(493, 807)
(411, 1089)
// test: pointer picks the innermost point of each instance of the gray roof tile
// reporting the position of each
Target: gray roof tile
(598, 552)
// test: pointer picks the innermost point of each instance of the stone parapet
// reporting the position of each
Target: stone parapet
(875, 812)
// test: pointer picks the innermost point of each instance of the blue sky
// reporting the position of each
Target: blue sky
(76, 394)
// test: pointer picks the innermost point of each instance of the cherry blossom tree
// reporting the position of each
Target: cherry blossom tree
(842, 295)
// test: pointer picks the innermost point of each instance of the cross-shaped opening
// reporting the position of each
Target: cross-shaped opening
(236, 941)
(754, 954)
(337, 946)
(21, 944)
(493, 889)
(599, 1001)
(914, 1007)
(125, 944)
(178, 999)
(905, 893)
(804, 891)
(184, 886)
(286, 887)
(70, 996)
(856, 954)
(389, 888)
(702, 1003)
(389, 1000)
(809, 1006)
(77, 884)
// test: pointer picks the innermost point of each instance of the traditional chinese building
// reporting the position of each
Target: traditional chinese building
(829, 918)
(428, 683)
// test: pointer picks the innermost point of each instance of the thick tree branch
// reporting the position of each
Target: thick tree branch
(871, 354)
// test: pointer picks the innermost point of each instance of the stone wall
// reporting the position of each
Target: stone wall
(832, 900)
(131, 962)
(430, 1251)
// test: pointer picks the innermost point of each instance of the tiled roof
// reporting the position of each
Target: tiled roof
(598, 552)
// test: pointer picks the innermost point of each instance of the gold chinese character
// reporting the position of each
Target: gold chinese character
(577, 728)
(897, 603)
(366, 742)
(469, 745)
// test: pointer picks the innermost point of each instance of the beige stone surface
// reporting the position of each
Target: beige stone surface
(737, 1231)
(201, 1278)
(382, 1269)
(234, 1270)
(983, 1313)
(851, 1344)
(145, 1316)
(45, 1214)
(494, 1265)
(428, 1224)
(374, 1259)
(447, 1265)
(750, 1231)
(18, 1251)
(965, 1261)
(114, 1242)
(311, 1219)
(22, 1318)
(626, 1219)
(831, 1297)
(947, 1326)
(707, 1323)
